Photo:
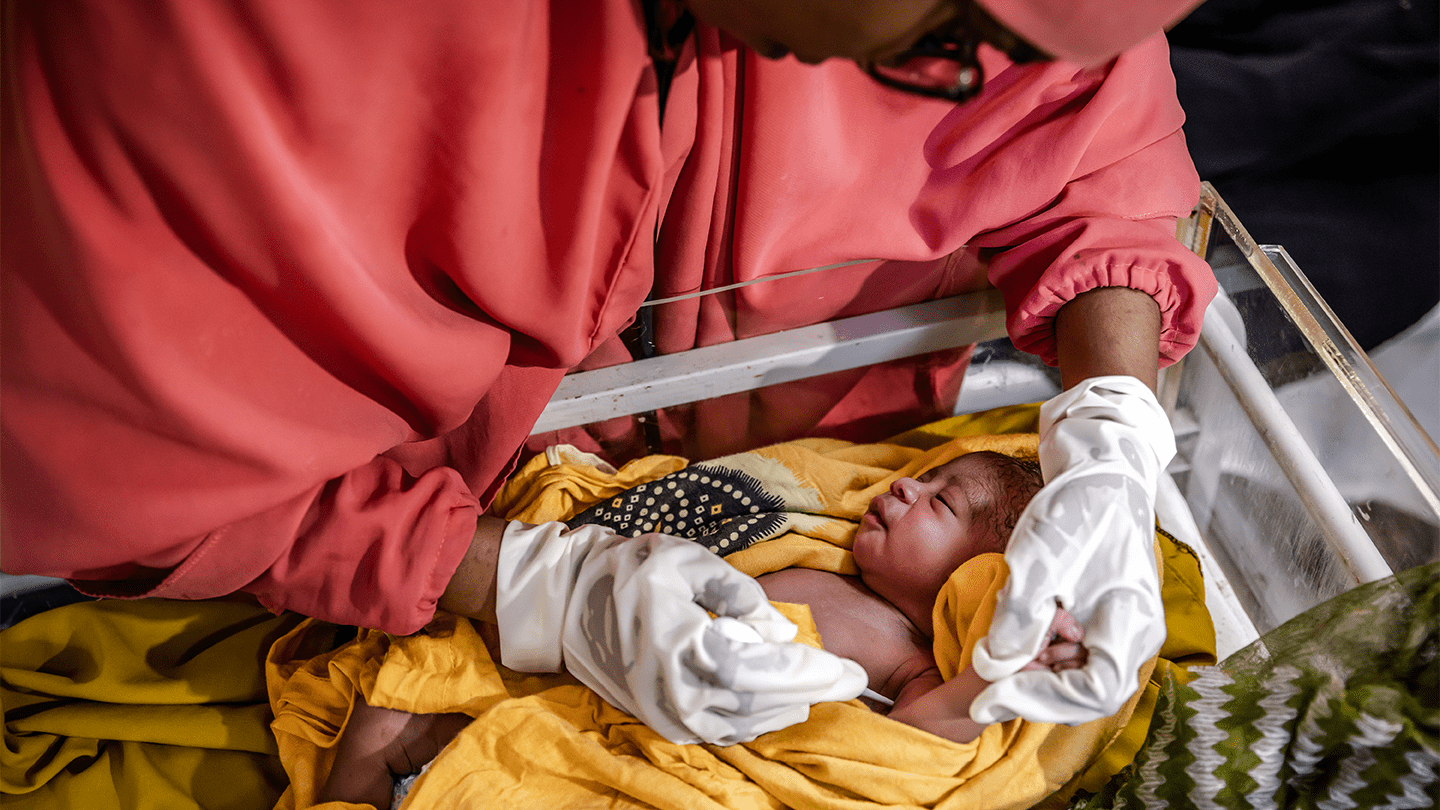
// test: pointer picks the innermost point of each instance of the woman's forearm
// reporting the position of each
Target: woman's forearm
(1109, 330)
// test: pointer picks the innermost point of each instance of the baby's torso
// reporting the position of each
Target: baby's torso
(855, 623)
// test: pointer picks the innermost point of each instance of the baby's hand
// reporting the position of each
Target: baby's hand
(379, 744)
(1065, 650)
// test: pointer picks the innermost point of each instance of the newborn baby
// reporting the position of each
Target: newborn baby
(906, 547)
(909, 542)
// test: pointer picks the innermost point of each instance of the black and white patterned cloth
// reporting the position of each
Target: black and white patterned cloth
(714, 503)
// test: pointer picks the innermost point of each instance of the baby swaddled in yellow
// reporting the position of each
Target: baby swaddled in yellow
(546, 741)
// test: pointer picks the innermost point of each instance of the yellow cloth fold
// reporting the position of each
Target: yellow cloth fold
(160, 704)
(147, 704)
(545, 741)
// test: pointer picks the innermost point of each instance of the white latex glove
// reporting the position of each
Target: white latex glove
(1085, 542)
(628, 617)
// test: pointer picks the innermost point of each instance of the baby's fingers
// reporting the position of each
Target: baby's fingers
(1065, 626)
(1060, 657)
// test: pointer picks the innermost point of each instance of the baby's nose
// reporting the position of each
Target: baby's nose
(904, 489)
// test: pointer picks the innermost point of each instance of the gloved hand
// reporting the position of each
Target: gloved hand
(1086, 542)
(628, 617)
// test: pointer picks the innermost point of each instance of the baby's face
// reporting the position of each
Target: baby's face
(920, 531)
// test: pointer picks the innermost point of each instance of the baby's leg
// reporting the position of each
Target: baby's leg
(379, 744)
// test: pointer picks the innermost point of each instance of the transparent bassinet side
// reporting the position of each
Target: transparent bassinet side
(1304, 472)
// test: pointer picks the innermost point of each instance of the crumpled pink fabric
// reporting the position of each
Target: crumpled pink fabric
(286, 285)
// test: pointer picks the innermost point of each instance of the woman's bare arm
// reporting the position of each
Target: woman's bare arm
(471, 591)
(1109, 330)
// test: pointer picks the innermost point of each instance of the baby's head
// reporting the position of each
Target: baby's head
(918, 533)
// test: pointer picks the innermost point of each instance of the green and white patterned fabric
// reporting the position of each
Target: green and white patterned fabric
(1337, 708)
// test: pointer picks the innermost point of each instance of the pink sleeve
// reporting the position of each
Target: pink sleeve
(395, 535)
(268, 324)
(1063, 178)
(1113, 225)
(374, 548)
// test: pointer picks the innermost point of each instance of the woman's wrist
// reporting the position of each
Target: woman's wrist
(1108, 330)
(471, 590)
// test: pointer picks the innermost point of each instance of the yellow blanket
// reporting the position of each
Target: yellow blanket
(545, 741)
(141, 705)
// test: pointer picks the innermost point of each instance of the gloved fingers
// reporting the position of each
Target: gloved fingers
(762, 619)
(766, 723)
(770, 676)
(1072, 696)
(1126, 621)
(769, 624)
(722, 727)
(1018, 632)
(717, 586)
(1120, 636)
(774, 628)
(731, 691)
(729, 715)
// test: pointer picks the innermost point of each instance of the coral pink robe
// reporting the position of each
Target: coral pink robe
(286, 284)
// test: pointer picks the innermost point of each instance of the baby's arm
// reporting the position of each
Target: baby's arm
(943, 708)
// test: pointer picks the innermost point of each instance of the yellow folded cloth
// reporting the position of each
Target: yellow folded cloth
(545, 741)
(146, 704)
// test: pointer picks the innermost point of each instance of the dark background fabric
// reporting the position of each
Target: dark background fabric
(1316, 120)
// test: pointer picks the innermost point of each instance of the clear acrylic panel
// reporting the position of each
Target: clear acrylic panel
(736, 366)
(1305, 473)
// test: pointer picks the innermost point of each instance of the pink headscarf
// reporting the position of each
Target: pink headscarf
(1087, 32)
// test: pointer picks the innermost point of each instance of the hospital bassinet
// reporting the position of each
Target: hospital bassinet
(1284, 509)
(1300, 473)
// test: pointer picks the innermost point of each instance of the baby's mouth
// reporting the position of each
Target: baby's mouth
(874, 512)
